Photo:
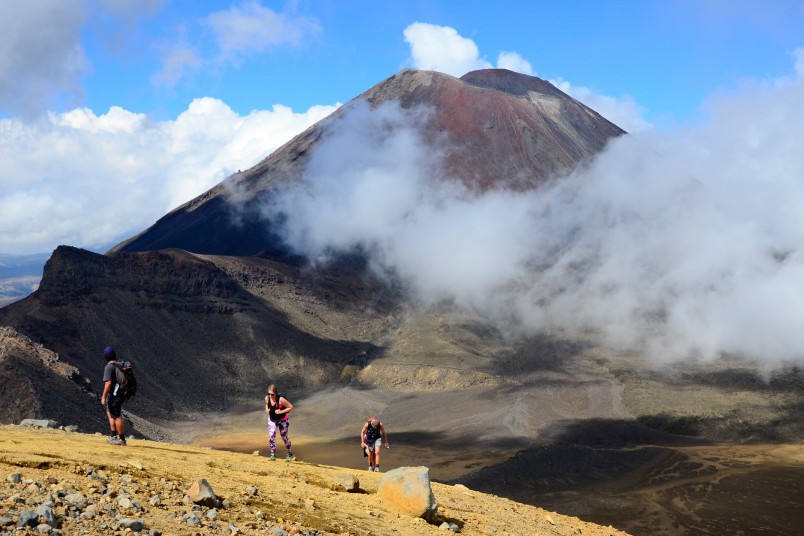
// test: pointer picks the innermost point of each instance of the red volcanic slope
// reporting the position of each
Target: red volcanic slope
(501, 129)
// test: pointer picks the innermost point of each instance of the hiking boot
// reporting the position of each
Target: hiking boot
(117, 441)
(290, 458)
(111, 439)
(371, 469)
(377, 469)
(272, 457)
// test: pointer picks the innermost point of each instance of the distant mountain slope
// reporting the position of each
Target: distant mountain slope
(499, 129)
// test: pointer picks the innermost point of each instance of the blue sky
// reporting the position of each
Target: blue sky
(113, 112)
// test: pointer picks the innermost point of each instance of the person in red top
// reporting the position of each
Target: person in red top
(277, 407)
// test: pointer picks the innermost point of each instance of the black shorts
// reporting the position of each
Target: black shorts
(114, 405)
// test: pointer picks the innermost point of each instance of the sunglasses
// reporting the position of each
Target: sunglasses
(270, 393)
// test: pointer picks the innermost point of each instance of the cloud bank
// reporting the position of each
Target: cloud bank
(83, 179)
(443, 49)
(40, 53)
(673, 244)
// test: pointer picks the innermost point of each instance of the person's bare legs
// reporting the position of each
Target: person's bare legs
(120, 425)
(112, 425)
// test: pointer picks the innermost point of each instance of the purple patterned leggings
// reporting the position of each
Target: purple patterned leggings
(283, 431)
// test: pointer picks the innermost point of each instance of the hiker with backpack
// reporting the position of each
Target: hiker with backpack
(118, 386)
(372, 437)
(277, 407)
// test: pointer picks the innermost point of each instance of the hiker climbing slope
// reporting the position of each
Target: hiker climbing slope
(371, 438)
(277, 407)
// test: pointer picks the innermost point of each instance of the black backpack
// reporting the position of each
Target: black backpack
(124, 377)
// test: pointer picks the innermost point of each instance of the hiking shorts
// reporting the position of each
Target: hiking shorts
(114, 406)
(374, 445)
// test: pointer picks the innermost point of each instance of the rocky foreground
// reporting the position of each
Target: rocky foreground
(60, 482)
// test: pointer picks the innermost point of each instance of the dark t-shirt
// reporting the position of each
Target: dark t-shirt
(275, 417)
(373, 434)
(109, 374)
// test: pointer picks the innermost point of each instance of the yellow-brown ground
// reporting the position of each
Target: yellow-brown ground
(295, 496)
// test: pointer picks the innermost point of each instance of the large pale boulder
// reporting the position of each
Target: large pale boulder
(407, 490)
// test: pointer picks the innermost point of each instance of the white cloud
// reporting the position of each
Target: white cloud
(179, 59)
(250, 28)
(514, 62)
(672, 244)
(623, 111)
(86, 180)
(443, 49)
(40, 53)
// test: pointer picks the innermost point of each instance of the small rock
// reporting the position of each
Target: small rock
(47, 516)
(135, 464)
(255, 453)
(449, 526)
(6, 521)
(43, 528)
(549, 520)
(71, 428)
(251, 490)
(14, 478)
(136, 525)
(345, 482)
(200, 492)
(77, 499)
(28, 518)
(212, 514)
(155, 500)
(39, 423)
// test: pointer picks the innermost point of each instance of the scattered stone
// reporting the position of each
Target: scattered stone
(155, 500)
(14, 478)
(71, 428)
(78, 500)
(6, 521)
(212, 514)
(309, 504)
(135, 464)
(28, 518)
(549, 520)
(255, 453)
(47, 516)
(449, 526)
(200, 492)
(345, 482)
(43, 528)
(136, 525)
(407, 490)
(39, 423)
(251, 490)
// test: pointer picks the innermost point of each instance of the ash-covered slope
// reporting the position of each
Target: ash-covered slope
(496, 128)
